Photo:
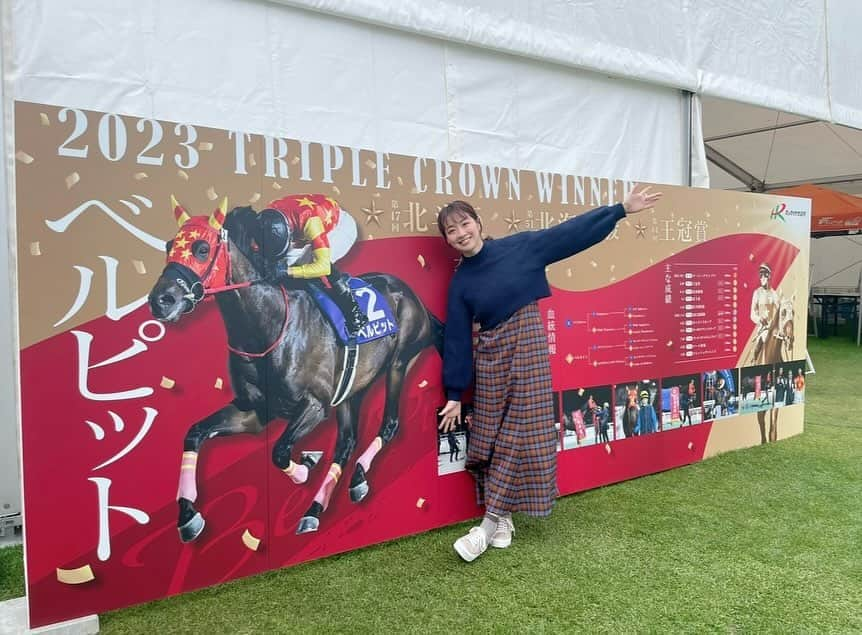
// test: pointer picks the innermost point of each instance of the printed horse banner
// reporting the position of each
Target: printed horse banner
(177, 415)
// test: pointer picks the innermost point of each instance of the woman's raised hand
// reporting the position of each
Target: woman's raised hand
(638, 201)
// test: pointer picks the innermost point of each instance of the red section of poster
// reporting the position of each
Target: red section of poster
(106, 408)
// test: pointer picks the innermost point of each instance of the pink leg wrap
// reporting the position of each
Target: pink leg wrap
(370, 453)
(188, 488)
(325, 492)
(297, 473)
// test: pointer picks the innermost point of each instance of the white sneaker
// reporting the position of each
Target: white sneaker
(472, 545)
(502, 537)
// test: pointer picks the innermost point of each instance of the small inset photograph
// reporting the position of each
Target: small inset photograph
(452, 445)
(586, 416)
(636, 408)
(558, 420)
(756, 388)
(720, 399)
(796, 390)
(783, 385)
(681, 403)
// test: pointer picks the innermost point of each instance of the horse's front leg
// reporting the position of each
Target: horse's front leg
(229, 420)
(347, 415)
(773, 425)
(311, 415)
(388, 428)
(761, 422)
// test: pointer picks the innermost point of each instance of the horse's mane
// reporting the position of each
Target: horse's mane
(246, 235)
(244, 231)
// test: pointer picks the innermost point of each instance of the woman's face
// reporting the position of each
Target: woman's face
(464, 234)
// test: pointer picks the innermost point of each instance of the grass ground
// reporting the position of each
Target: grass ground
(767, 539)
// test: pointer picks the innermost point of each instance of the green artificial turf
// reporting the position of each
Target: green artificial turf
(766, 539)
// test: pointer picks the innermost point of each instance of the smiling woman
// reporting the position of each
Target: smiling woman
(512, 452)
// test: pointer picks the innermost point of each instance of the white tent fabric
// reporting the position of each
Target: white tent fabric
(796, 56)
(575, 86)
(764, 149)
(266, 68)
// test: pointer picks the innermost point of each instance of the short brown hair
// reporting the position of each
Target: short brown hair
(458, 209)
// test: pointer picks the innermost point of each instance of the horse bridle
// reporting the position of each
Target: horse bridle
(195, 290)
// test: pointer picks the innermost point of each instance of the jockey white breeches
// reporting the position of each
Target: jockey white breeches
(341, 239)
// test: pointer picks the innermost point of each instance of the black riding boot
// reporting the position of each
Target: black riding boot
(342, 296)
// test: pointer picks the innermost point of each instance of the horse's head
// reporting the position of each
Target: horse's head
(785, 324)
(197, 260)
(785, 312)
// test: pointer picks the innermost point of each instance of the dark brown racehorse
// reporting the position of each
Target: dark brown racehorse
(285, 359)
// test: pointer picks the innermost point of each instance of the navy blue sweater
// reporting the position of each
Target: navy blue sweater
(506, 275)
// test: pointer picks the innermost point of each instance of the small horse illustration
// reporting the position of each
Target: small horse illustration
(774, 341)
(777, 347)
(284, 355)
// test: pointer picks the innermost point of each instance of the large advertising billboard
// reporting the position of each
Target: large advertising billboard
(191, 413)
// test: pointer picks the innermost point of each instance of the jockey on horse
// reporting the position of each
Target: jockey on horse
(295, 224)
(764, 304)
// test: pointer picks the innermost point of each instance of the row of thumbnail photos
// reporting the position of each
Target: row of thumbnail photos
(603, 414)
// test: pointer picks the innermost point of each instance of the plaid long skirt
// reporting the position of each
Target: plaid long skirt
(512, 450)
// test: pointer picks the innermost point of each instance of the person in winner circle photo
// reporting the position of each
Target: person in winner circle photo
(512, 450)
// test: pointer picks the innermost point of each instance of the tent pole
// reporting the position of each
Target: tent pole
(689, 144)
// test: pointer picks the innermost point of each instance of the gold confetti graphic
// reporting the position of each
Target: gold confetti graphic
(211, 193)
(294, 160)
(218, 383)
(690, 445)
(276, 185)
(254, 197)
(420, 503)
(371, 164)
(251, 160)
(44, 119)
(608, 448)
(35, 250)
(75, 576)
(23, 157)
(140, 176)
(421, 260)
(183, 175)
(336, 190)
(167, 382)
(205, 146)
(400, 181)
(423, 383)
(72, 180)
(250, 541)
(139, 266)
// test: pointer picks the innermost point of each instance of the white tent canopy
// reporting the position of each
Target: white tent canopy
(586, 88)
(760, 149)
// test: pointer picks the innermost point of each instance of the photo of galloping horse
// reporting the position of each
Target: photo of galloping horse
(284, 355)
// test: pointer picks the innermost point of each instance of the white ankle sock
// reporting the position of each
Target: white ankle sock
(489, 524)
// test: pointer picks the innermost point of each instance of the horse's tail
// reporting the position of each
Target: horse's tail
(437, 330)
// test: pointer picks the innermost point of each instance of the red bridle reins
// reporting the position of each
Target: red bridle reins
(230, 286)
